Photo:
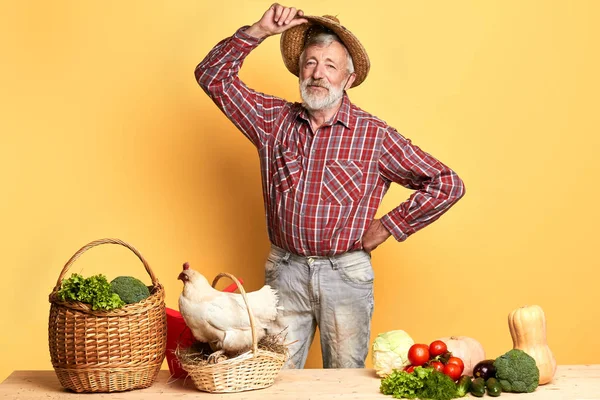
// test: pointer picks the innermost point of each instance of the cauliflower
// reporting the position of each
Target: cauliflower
(130, 289)
(390, 351)
(517, 372)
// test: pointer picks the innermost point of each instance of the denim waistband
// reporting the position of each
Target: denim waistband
(344, 257)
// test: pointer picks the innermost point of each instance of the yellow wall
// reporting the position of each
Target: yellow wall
(104, 133)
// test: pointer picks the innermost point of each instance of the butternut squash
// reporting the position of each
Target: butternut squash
(527, 326)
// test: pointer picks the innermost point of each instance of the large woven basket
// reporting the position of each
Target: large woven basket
(107, 351)
(255, 369)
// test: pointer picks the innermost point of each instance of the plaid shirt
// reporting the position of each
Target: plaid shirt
(322, 189)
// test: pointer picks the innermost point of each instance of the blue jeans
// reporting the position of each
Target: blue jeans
(335, 293)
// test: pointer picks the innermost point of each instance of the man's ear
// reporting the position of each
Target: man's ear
(350, 81)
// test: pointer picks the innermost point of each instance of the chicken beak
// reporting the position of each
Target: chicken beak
(183, 277)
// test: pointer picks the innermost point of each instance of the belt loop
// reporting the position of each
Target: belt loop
(333, 262)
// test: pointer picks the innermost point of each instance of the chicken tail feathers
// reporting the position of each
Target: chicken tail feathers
(264, 304)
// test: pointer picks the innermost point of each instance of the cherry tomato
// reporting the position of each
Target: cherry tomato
(437, 347)
(457, 361)
(418, 354)
(409, 368)
(453, 371)
(438, 366)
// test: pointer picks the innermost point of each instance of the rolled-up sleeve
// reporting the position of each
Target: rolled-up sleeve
(252, 112)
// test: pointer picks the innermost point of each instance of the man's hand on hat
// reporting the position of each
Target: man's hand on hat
(275, 20)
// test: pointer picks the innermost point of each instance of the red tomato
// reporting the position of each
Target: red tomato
(438, 366)
(409, 368)
(437, 347)
(418, 354)
(457, 361)
(453, 371)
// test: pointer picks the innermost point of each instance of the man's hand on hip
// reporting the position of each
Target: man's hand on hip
(275, 20)
(375, 235)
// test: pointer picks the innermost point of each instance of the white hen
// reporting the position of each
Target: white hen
(220, 318)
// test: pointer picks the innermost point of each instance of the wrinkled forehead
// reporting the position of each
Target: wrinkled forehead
(321, 51)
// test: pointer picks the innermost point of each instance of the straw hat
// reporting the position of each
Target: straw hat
(292, 44)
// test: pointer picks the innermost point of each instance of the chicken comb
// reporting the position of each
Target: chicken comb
(186, 265)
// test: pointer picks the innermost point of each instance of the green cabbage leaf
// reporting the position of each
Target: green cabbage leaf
(390, 352)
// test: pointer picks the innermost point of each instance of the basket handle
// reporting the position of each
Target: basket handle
(250, 314)
(97, 243)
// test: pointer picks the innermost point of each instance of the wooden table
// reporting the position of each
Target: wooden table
(571, 382)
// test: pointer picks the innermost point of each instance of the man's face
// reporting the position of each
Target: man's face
(324, 76)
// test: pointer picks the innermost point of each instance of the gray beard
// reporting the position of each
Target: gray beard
(317, 103)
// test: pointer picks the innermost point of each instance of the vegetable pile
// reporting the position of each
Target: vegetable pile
(515, 371)
(436, 356)
(100, 294)
(431, 374)
(435, 372)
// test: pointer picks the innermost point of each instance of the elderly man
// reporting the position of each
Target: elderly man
(326, 165)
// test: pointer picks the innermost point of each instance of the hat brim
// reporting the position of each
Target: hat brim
(292, 45)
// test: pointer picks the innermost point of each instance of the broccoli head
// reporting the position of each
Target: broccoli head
(130, 289)
(517, 372)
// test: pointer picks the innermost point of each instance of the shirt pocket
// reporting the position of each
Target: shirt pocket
(342, 181)
(287, 169)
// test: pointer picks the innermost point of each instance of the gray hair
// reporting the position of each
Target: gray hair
(325, 39)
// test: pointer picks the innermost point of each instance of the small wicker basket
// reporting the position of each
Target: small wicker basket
(255, 369)
(107, 351)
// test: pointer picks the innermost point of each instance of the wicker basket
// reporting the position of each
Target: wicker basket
(255, 369)
(107, 351)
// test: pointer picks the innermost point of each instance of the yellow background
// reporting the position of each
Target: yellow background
(104, 133)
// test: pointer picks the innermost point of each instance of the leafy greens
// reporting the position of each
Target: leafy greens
(422, 383)
(94, 290)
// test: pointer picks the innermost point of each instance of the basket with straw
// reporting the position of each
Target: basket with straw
(254, 369)
(107, 351)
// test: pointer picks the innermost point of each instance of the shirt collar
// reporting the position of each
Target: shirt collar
(345, 116)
